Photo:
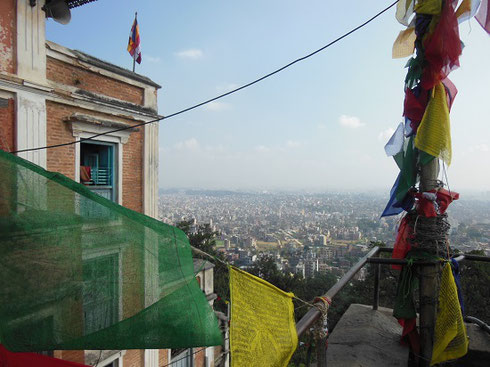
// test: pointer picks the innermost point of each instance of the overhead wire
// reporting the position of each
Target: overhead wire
(217, 97)
(199, 350)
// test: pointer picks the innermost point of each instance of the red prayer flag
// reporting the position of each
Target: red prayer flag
(11, 359)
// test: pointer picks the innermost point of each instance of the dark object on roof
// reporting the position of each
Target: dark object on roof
(76, 3)
(71, 3)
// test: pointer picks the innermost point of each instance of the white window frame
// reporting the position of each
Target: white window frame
(84, 130)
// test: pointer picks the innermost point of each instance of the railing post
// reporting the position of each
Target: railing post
(377, 272)
(321, 352)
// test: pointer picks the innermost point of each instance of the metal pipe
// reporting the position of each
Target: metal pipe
(379, 260)
(476, 258)
(479, 322)
(467, 256)
(313, 314)
(459, 258)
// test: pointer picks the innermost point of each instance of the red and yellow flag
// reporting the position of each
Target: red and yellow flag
(134, 47)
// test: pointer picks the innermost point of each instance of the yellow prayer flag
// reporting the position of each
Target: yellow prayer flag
(262, 328)
(467, 9)
(404, 44)
(404, 10)
(464, 7)
(432, 7)
(450, 340)
(434, 133)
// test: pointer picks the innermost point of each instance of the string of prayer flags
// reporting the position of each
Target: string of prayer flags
(262, 328)
(450, 339)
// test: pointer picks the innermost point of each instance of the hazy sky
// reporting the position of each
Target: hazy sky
(321, 124)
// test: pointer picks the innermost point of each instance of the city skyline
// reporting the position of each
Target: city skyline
(320, 125)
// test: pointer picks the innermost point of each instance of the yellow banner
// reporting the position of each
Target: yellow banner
(262, 329)
(434, 133)
(450, 340)
(432, 7)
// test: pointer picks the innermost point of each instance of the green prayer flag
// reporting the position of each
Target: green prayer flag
(78, 271)
(406, 161)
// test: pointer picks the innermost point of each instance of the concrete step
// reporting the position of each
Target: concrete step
(366, 338)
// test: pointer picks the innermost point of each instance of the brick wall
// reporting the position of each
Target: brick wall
(133, 171)
(77, 356)
(62, 159)
(200, 358)
(163, 357)
(7, 124)
(64, 73)
(134, 358)
(8, 32)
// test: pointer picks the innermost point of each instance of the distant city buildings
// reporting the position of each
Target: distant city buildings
(307, 234)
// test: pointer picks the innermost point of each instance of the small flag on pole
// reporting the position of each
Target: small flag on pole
(134, 47)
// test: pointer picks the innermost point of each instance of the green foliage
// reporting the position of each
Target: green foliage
(204, 239)
(475, 277)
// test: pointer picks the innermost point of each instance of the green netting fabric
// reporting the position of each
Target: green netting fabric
(78, 271)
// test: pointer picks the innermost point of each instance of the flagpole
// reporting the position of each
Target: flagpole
(134, 54)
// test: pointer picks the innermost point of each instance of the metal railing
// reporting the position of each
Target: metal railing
(371, 257)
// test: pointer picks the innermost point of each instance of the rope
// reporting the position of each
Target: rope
(201, 252)
(320, 329)
(430, 234)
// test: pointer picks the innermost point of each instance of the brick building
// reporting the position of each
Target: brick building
(50, 94)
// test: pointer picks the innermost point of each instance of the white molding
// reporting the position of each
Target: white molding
(151, 358)
(79, 127)
(76, 100)
(209, 353)
(31, 39)
(6, 94)
(150, 169)
(31, 126)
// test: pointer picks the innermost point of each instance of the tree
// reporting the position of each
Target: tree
(204, 239)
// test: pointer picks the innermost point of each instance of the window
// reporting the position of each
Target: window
(98, 169)
(100, 292)
(181, 357)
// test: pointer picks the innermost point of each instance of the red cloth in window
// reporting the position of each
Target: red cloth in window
(10, 359)
(85, 174)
